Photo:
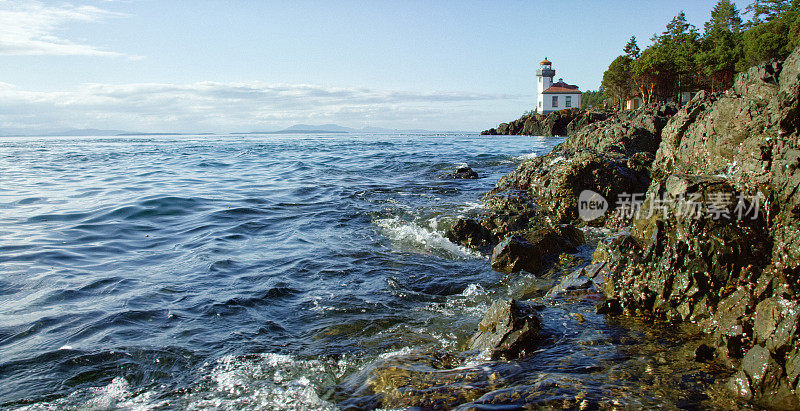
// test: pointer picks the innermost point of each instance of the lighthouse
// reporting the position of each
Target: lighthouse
(545, 74)
(554, 96)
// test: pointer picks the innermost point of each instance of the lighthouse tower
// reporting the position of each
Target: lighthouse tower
(545, 74)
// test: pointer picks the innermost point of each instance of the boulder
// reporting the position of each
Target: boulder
(760, 380)
(470, 233)
(510, 211)
(585, 278)
(776, 324)
(516, 253)
(528, 250)
(509, 330)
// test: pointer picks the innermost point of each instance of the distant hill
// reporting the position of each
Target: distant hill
(323, 128)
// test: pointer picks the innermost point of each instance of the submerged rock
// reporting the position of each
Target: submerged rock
(463, 172)
(509, 330)
(704, 353)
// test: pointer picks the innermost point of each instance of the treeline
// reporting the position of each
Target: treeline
(683, 59)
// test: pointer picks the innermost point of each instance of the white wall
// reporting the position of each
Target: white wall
(633, 103)
(544, 84)
(547, 102)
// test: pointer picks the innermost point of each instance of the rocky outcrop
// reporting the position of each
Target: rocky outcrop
(730, 261)
(625, 132)
(611, 157)
(509, 330)
(716, 238)
(559, 123)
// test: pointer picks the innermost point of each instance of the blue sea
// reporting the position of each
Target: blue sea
(272, 271)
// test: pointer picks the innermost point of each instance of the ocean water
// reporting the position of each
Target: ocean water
(279, 271)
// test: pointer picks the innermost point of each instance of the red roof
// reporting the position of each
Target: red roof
(545, 61)
(562, 87)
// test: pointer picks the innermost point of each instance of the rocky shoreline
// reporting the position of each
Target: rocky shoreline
(560, 123)
(714, 240)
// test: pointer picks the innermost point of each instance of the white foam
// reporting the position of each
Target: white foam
(470, 206)
(473, 289)
(422, 239)
(272, 381)
(106, 397)
(390, 354)
(526, 156)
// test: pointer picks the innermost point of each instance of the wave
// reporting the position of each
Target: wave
(413, 237)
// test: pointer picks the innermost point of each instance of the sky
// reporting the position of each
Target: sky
(247, 65)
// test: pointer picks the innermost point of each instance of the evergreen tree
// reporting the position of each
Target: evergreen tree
(769, 10)
(593, 98)
(673, 58)
(720, 47)
(617, 80)
(774, 31)
(725, 17)
(632, 49)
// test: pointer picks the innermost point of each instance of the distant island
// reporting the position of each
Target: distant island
(295, 129)
(163, 134)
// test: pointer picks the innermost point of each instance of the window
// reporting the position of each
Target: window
(555, 101)
(568, 103)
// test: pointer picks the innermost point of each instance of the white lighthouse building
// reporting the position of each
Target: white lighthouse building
(554, 96)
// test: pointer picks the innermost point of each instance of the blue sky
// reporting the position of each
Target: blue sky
(223, 66)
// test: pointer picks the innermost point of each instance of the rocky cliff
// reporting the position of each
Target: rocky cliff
(715, 239)
(733, 265)
(560, 123)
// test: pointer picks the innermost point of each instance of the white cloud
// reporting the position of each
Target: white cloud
(30, 27)
(213, 106)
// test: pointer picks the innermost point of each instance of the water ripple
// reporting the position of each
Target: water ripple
(139, 271)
